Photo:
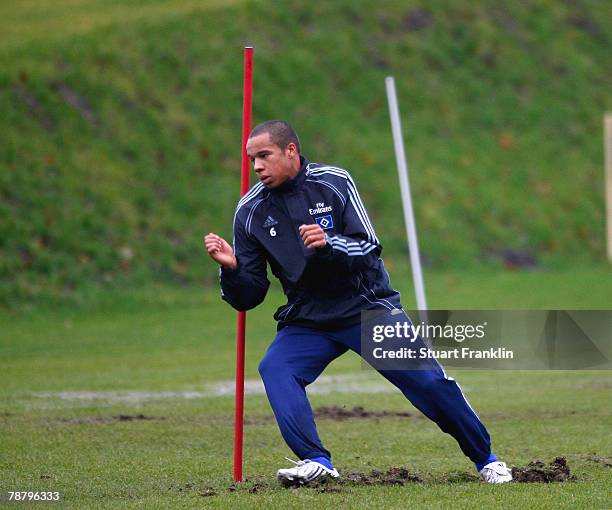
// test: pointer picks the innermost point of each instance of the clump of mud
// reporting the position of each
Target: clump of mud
(209, 491)
(393, 476)
(259, 487)
(337, 413)
(537, 471)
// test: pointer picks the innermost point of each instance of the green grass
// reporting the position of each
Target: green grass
(41, 21)
(144, 463)
(121, 128)
(164, 339)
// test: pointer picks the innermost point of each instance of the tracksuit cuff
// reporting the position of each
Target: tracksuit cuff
(229, 273)
(480, 465)
(326, 251)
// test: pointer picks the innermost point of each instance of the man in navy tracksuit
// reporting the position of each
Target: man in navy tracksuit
(309, 224)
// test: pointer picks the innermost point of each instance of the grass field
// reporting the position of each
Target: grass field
(120, 134)
(502, 109)
(165, 357)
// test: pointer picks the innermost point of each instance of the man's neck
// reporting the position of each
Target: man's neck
(291, 181)
(296, 168)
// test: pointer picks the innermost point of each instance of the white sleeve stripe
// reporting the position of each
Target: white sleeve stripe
(359, 203)
(250, 217)
(341, 245)
(355, 201)
(340, 248)
(328, 183)
(361, 252)
(352, 243)
(338, 241)
(362, 218)
(336, 190)
(354, 196)
(332, 187)
(252, 193)
(321, 171)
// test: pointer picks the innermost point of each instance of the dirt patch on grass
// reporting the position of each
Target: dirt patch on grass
(334, 413)
(258, 487)
(202, 491)
(137, 417)
(77, 101)
(337, 413)
(97, 420)
(537, 471)
(35, 107)
(392, 476)
(417, 20)
(598, 459)
(208, 492)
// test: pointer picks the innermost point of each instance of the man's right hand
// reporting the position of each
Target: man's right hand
(220, 251)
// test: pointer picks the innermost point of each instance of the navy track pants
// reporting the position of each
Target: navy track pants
(298, 355)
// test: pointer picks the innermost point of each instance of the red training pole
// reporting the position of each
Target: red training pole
(247, 108)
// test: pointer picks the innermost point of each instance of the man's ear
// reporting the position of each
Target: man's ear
(291, 150)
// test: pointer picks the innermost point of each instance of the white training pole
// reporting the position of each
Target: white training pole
(608, 179)
(402, 170)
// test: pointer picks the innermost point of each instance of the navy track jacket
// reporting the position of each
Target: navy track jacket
(326, 288)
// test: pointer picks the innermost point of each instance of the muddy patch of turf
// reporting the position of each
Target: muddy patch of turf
(537, 471)
(205, 490)
(97, 420)
(598, 459)
(393, 476)
(208, 492)
(337, 413)
(258, 487)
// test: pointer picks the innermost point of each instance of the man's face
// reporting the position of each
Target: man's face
(272, 164)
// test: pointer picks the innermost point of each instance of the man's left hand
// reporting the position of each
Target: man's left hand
(313, 236)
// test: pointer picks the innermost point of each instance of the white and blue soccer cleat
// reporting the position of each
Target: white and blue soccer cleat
(305, 471)
(496, 472)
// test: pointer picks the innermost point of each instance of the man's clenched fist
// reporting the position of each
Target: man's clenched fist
(220, 251)
(313, 236)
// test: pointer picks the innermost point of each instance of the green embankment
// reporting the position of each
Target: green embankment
(120, 127)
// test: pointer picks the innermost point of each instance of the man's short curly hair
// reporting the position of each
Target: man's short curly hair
(281, 133)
